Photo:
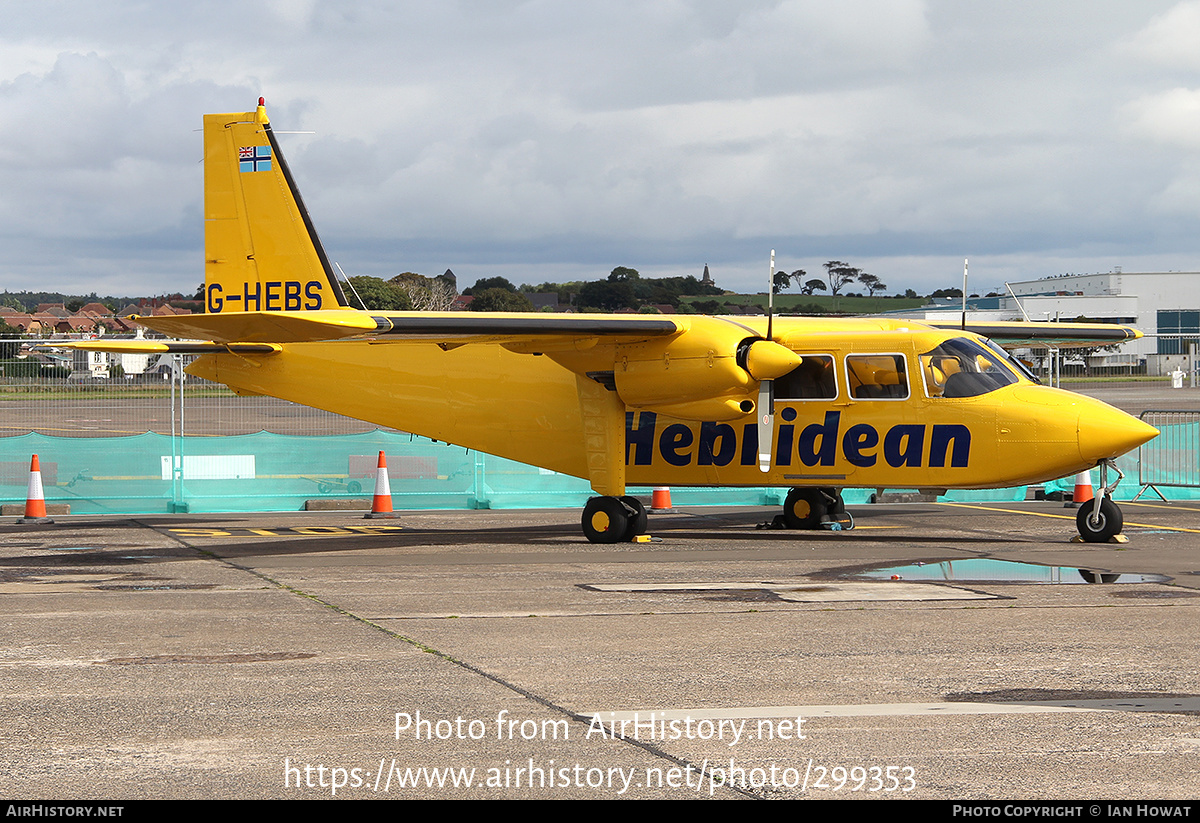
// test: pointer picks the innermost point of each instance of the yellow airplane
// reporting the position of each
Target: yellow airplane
(814, 404)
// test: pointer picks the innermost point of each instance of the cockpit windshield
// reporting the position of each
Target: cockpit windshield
(963, 368)
(1017, 366)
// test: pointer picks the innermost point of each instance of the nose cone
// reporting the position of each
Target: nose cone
(1105, 432)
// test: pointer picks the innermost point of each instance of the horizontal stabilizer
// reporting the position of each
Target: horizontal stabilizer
(1020, 333)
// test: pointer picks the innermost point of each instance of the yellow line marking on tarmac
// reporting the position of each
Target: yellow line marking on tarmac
(1007, 511)
(280, 531)
(1174, 506)
(1068, 517)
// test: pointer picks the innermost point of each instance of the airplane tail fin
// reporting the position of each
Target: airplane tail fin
(261, 252)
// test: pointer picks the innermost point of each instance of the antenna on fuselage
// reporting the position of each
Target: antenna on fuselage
(351, 285)
(964, 295)
(771, 294)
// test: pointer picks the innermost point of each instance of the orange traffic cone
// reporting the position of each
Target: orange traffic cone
(1083, 490)
(381, 505)
(35, 500)
(660, 499)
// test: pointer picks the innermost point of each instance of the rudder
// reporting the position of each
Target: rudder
(261, 252)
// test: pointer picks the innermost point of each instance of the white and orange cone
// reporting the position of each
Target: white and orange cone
(1083, 490)
(660, 499)
(381, 504)
(35, 500)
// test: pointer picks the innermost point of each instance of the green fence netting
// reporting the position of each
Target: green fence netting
(151, 473)
(154, 473)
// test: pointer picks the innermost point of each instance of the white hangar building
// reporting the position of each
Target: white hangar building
(1165, 306)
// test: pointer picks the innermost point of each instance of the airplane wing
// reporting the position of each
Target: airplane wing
(449, 327)
(1065, 335)
(263, 332)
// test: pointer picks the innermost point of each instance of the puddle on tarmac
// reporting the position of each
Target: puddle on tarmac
(985, 570)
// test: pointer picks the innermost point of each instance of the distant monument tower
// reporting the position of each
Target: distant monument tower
(707, 278)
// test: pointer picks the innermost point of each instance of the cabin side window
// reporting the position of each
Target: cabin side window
(876, 376)
(813, 379)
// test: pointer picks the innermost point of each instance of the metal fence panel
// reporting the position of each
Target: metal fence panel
(1173, 458)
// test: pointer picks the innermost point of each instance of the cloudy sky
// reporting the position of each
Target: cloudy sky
(555, 140)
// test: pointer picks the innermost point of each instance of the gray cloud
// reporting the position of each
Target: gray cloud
(529, 138)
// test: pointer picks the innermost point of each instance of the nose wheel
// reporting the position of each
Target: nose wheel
(1099, 524)
(1099, 519)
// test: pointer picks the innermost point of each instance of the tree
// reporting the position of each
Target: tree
(813, 285)
(839, 275)
(500, 299)
(872, 283)
(378, 295)
(491, 283)
(708, 306)
(432, 295)
(784, 281)
(606, 295)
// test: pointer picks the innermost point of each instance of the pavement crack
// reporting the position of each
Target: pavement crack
(701, 769)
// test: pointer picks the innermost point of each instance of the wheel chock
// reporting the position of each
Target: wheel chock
(1116, 538)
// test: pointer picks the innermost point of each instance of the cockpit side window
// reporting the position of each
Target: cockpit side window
(813, 379)
(963, 368)
(877, 376)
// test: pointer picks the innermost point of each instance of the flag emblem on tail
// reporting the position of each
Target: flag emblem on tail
(254, 158)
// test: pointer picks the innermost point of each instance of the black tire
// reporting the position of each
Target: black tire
(838, 505)
(1109, 525)
(1097, 577)
(605, 520)
(804, 509)
(638, 521)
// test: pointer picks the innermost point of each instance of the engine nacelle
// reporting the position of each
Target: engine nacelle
(710, 376)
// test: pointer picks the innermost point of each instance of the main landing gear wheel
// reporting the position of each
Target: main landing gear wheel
(638, 521)
(1108, 524)
(804, 509)
(613, 520)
